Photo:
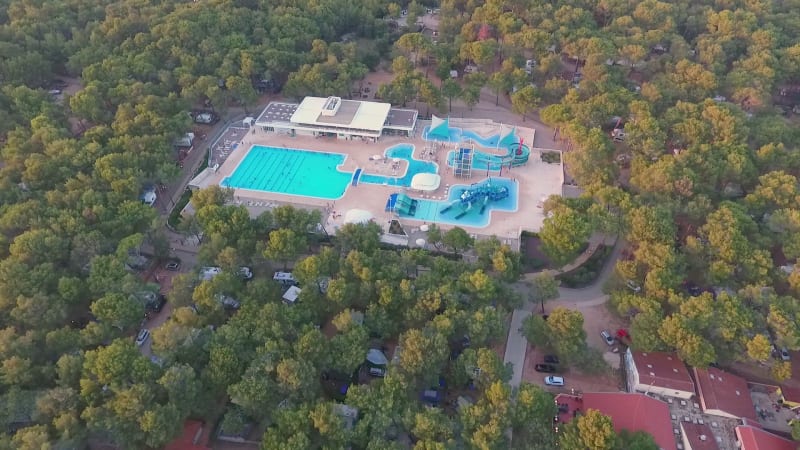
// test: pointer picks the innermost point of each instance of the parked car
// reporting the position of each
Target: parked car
(634, 286)
(245, 272)
(159, 303)
(551, 359)
(554, 381)
(545, 368)
(206, 118)
(173, 265)
(377, 371)
(623, 336)
(693, 289)
(607, 337)
(785, 354)
(142, 337)
(228, 302)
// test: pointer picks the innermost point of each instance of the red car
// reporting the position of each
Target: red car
(623, 336)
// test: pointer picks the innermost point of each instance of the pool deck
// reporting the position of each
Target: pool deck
(536, 179)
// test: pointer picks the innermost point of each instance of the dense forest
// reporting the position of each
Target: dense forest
(703, 188)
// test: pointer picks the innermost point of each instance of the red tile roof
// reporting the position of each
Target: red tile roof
(757, 439)
(632, 412)
(790, 393)
(662, 369)
(699, 436)
(192, 438)
(724, 392)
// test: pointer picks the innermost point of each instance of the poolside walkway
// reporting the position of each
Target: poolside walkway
(535, 179)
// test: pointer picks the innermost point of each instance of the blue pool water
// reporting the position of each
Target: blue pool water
(457, 134)
(480, 161)
(313, 174)
(430, 210)
(415, 166)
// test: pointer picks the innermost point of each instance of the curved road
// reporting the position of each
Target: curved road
(578, 299)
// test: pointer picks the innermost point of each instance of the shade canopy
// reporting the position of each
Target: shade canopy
(439, 129)
(423, 227)
(421, 242)
(426, 182)
(357, 216)
(292, 294)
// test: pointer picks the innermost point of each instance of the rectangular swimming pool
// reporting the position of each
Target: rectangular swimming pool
(314, 174)
(291, 171)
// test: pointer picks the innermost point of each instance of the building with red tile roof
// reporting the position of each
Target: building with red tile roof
(724, 394)
(752, 438)
(628, 411)
(698, 437)
(790, 396)
(192, 438)
(659, 373)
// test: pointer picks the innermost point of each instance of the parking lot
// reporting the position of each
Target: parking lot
(610, 381)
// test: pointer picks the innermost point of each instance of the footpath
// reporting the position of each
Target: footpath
(592, 295)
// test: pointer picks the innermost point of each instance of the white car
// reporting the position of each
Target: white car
(634, 286)
(142, 337)
(245, 272)
(554, 381)
(607, 337)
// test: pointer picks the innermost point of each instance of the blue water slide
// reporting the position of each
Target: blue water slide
(355, 177)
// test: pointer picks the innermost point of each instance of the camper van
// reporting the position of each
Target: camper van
(285, 278)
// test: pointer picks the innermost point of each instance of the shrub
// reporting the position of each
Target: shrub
(588, 272)
(551, 157)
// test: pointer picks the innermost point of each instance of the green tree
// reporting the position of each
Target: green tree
(782, 370)
(284, 246)
(564, 234)
(435, 235)
(350, 349)
(532, 414)
(759, 348)
(119, 311)
(525, 101)
(451, 89)
(422, 353)
(361, 237)
(562, 331)
(638, 440)
(543, 287)
(795, 424)
(591, 430)
(457, 239)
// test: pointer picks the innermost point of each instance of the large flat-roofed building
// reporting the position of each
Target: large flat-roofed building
(658, 373)
(337, 117)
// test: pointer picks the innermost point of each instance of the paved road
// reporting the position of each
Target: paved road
(579, 299)
(516, 346)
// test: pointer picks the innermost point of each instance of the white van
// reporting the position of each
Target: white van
(284, 277)
(207, 273)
